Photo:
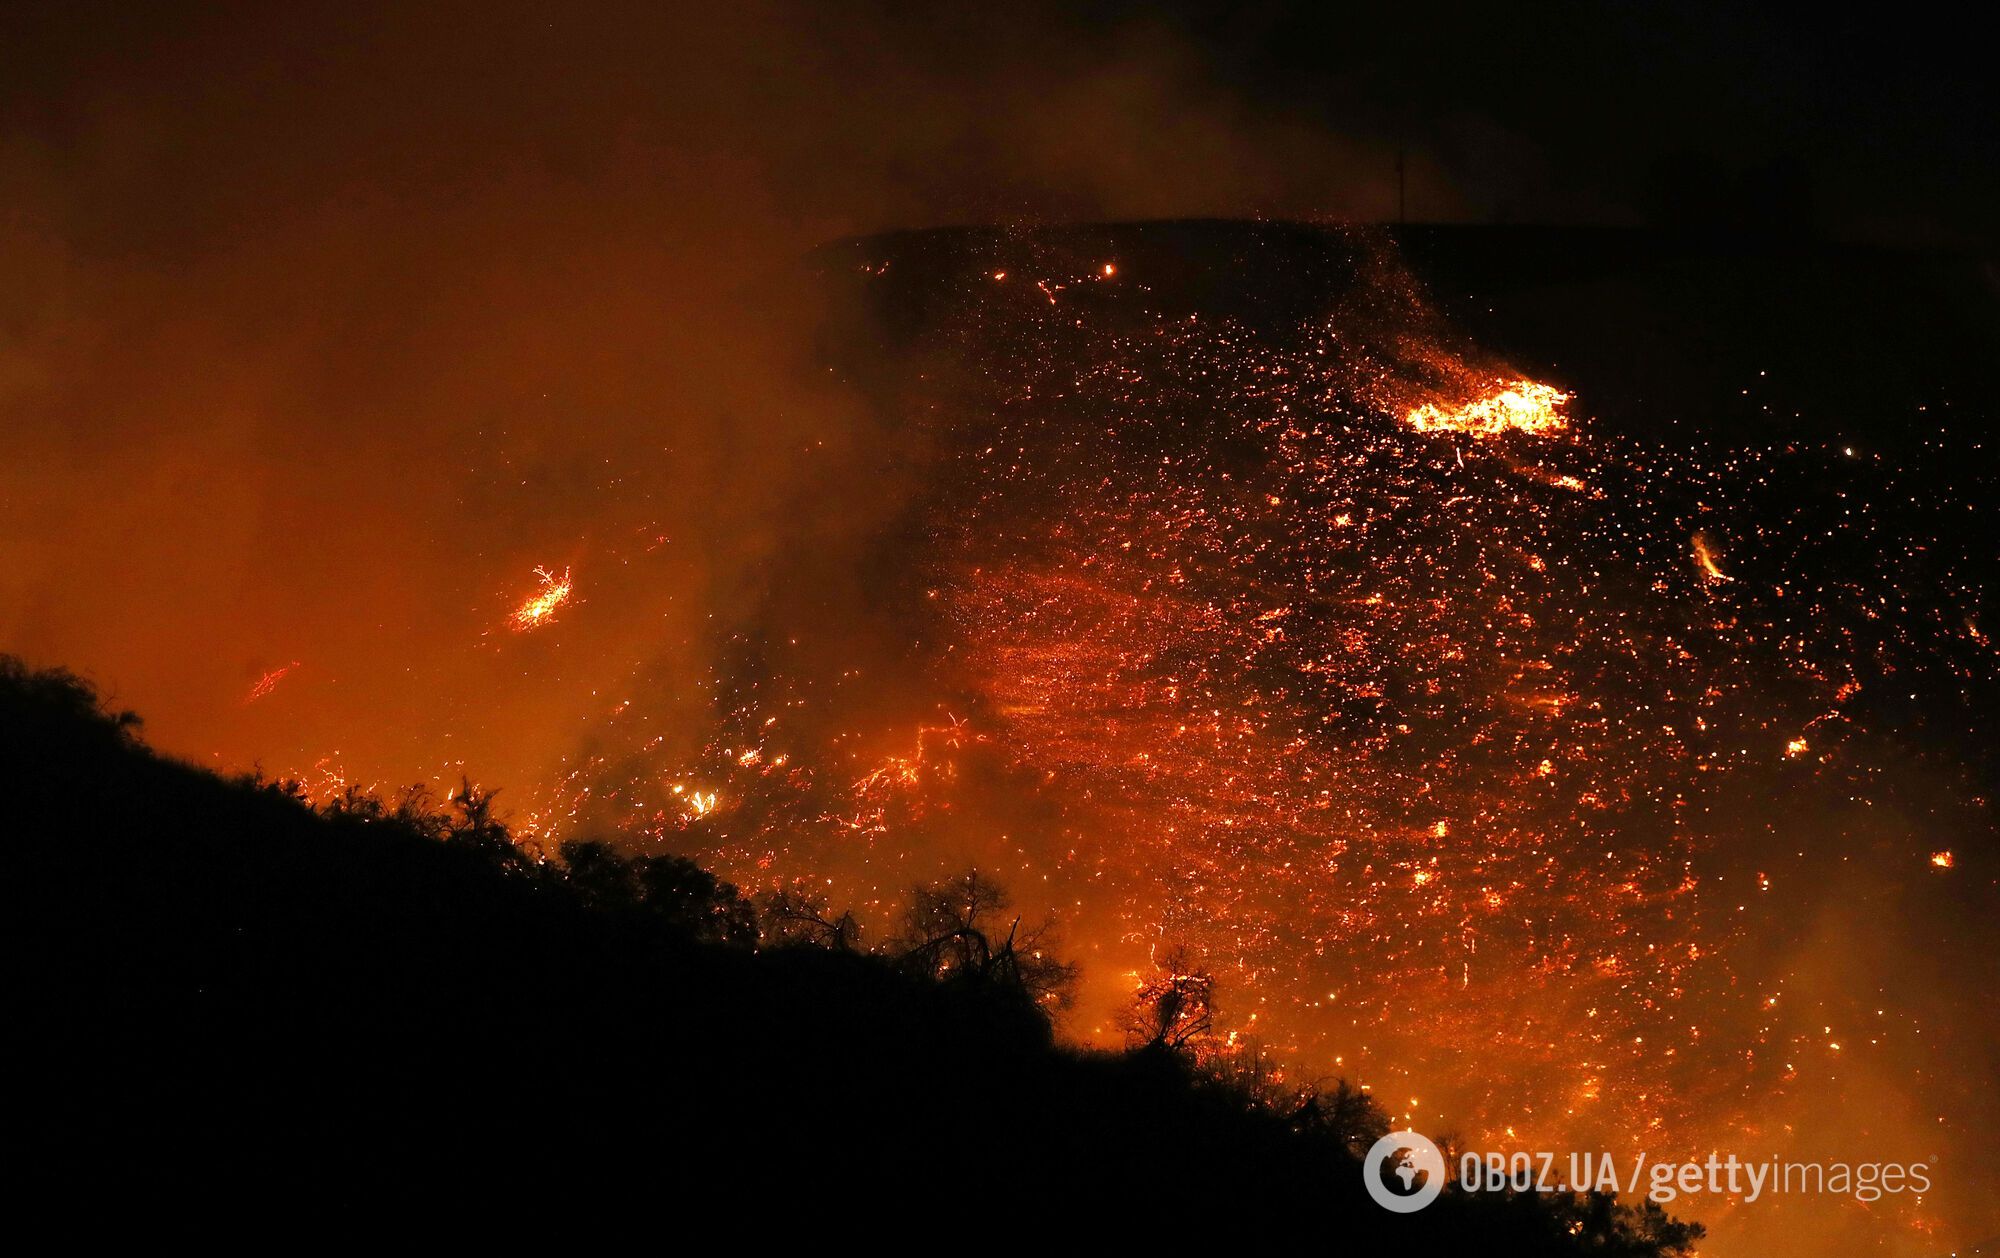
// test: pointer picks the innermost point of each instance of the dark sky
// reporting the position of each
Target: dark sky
(1873, 125)
(1880, 122)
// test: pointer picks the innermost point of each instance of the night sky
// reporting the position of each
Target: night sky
(1862, 125)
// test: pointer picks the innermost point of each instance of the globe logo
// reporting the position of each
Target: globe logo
(1404, 1172)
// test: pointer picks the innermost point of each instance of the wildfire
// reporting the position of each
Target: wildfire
(1258, 665)
(540, 607)
(1509, 406)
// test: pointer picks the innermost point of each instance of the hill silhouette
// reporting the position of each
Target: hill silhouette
(236, 1002)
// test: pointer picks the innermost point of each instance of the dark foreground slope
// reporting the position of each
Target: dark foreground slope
(236, 1004)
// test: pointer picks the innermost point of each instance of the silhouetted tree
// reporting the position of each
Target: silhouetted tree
(684, 897)
(474, 828)
(355, 803)
(600, 877)
(417, 810)
(1345, 1113)
(948, 934)
(55, 710)
(1173, 1008)
(669, 891)
(789, 917)
(1600, 1223)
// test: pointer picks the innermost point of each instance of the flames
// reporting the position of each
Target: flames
(696, 804)
(1509, 406)
(1705, 559)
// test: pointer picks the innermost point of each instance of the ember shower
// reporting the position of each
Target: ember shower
(1491, 755)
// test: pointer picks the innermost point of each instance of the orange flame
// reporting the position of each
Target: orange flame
(1704, 555)
(1510, 406)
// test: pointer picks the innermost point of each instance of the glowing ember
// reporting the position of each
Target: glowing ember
(539, 608)
(1943, 860)
(1511, 406)
(268, 682)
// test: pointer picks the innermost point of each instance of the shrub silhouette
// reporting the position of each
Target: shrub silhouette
(237, 1003)
(672, 892)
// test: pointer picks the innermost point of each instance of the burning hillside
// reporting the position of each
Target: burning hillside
(1486, 752)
